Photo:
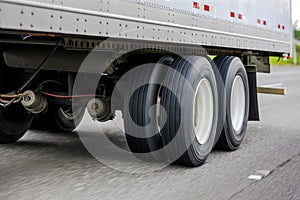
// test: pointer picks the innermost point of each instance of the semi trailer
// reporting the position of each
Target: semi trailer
(196, 91)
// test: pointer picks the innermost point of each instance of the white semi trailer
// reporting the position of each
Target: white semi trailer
(214, 47)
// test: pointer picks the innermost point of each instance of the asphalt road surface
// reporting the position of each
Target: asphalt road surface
(45, 165)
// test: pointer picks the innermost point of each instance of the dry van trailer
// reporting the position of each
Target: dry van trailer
(44, 44)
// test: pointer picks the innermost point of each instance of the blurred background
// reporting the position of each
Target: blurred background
(296, 48)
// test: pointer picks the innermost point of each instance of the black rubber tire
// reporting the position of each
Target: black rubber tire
(14, 120)
(230, 67)
(14, 123)
(139, 109)
(56, 120)
(178, 132)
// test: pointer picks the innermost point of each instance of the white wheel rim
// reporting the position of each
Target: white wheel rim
(203, 111)
(238, 103)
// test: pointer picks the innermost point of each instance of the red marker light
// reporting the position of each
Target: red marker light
(207, 8)
(196, 5)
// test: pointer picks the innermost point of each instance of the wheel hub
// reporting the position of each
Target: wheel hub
(203, 111)
(238, 103)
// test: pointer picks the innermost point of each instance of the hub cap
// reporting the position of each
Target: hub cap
(238, 103)
(203, 111)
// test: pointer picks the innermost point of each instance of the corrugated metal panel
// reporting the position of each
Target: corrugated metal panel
(243, 24)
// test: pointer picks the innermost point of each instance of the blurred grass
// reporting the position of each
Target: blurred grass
(274, 61)
(277, 61)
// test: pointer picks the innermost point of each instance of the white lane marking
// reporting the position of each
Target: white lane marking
(259, 175)
(275, 85)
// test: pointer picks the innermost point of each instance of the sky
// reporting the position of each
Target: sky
(296, 9)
